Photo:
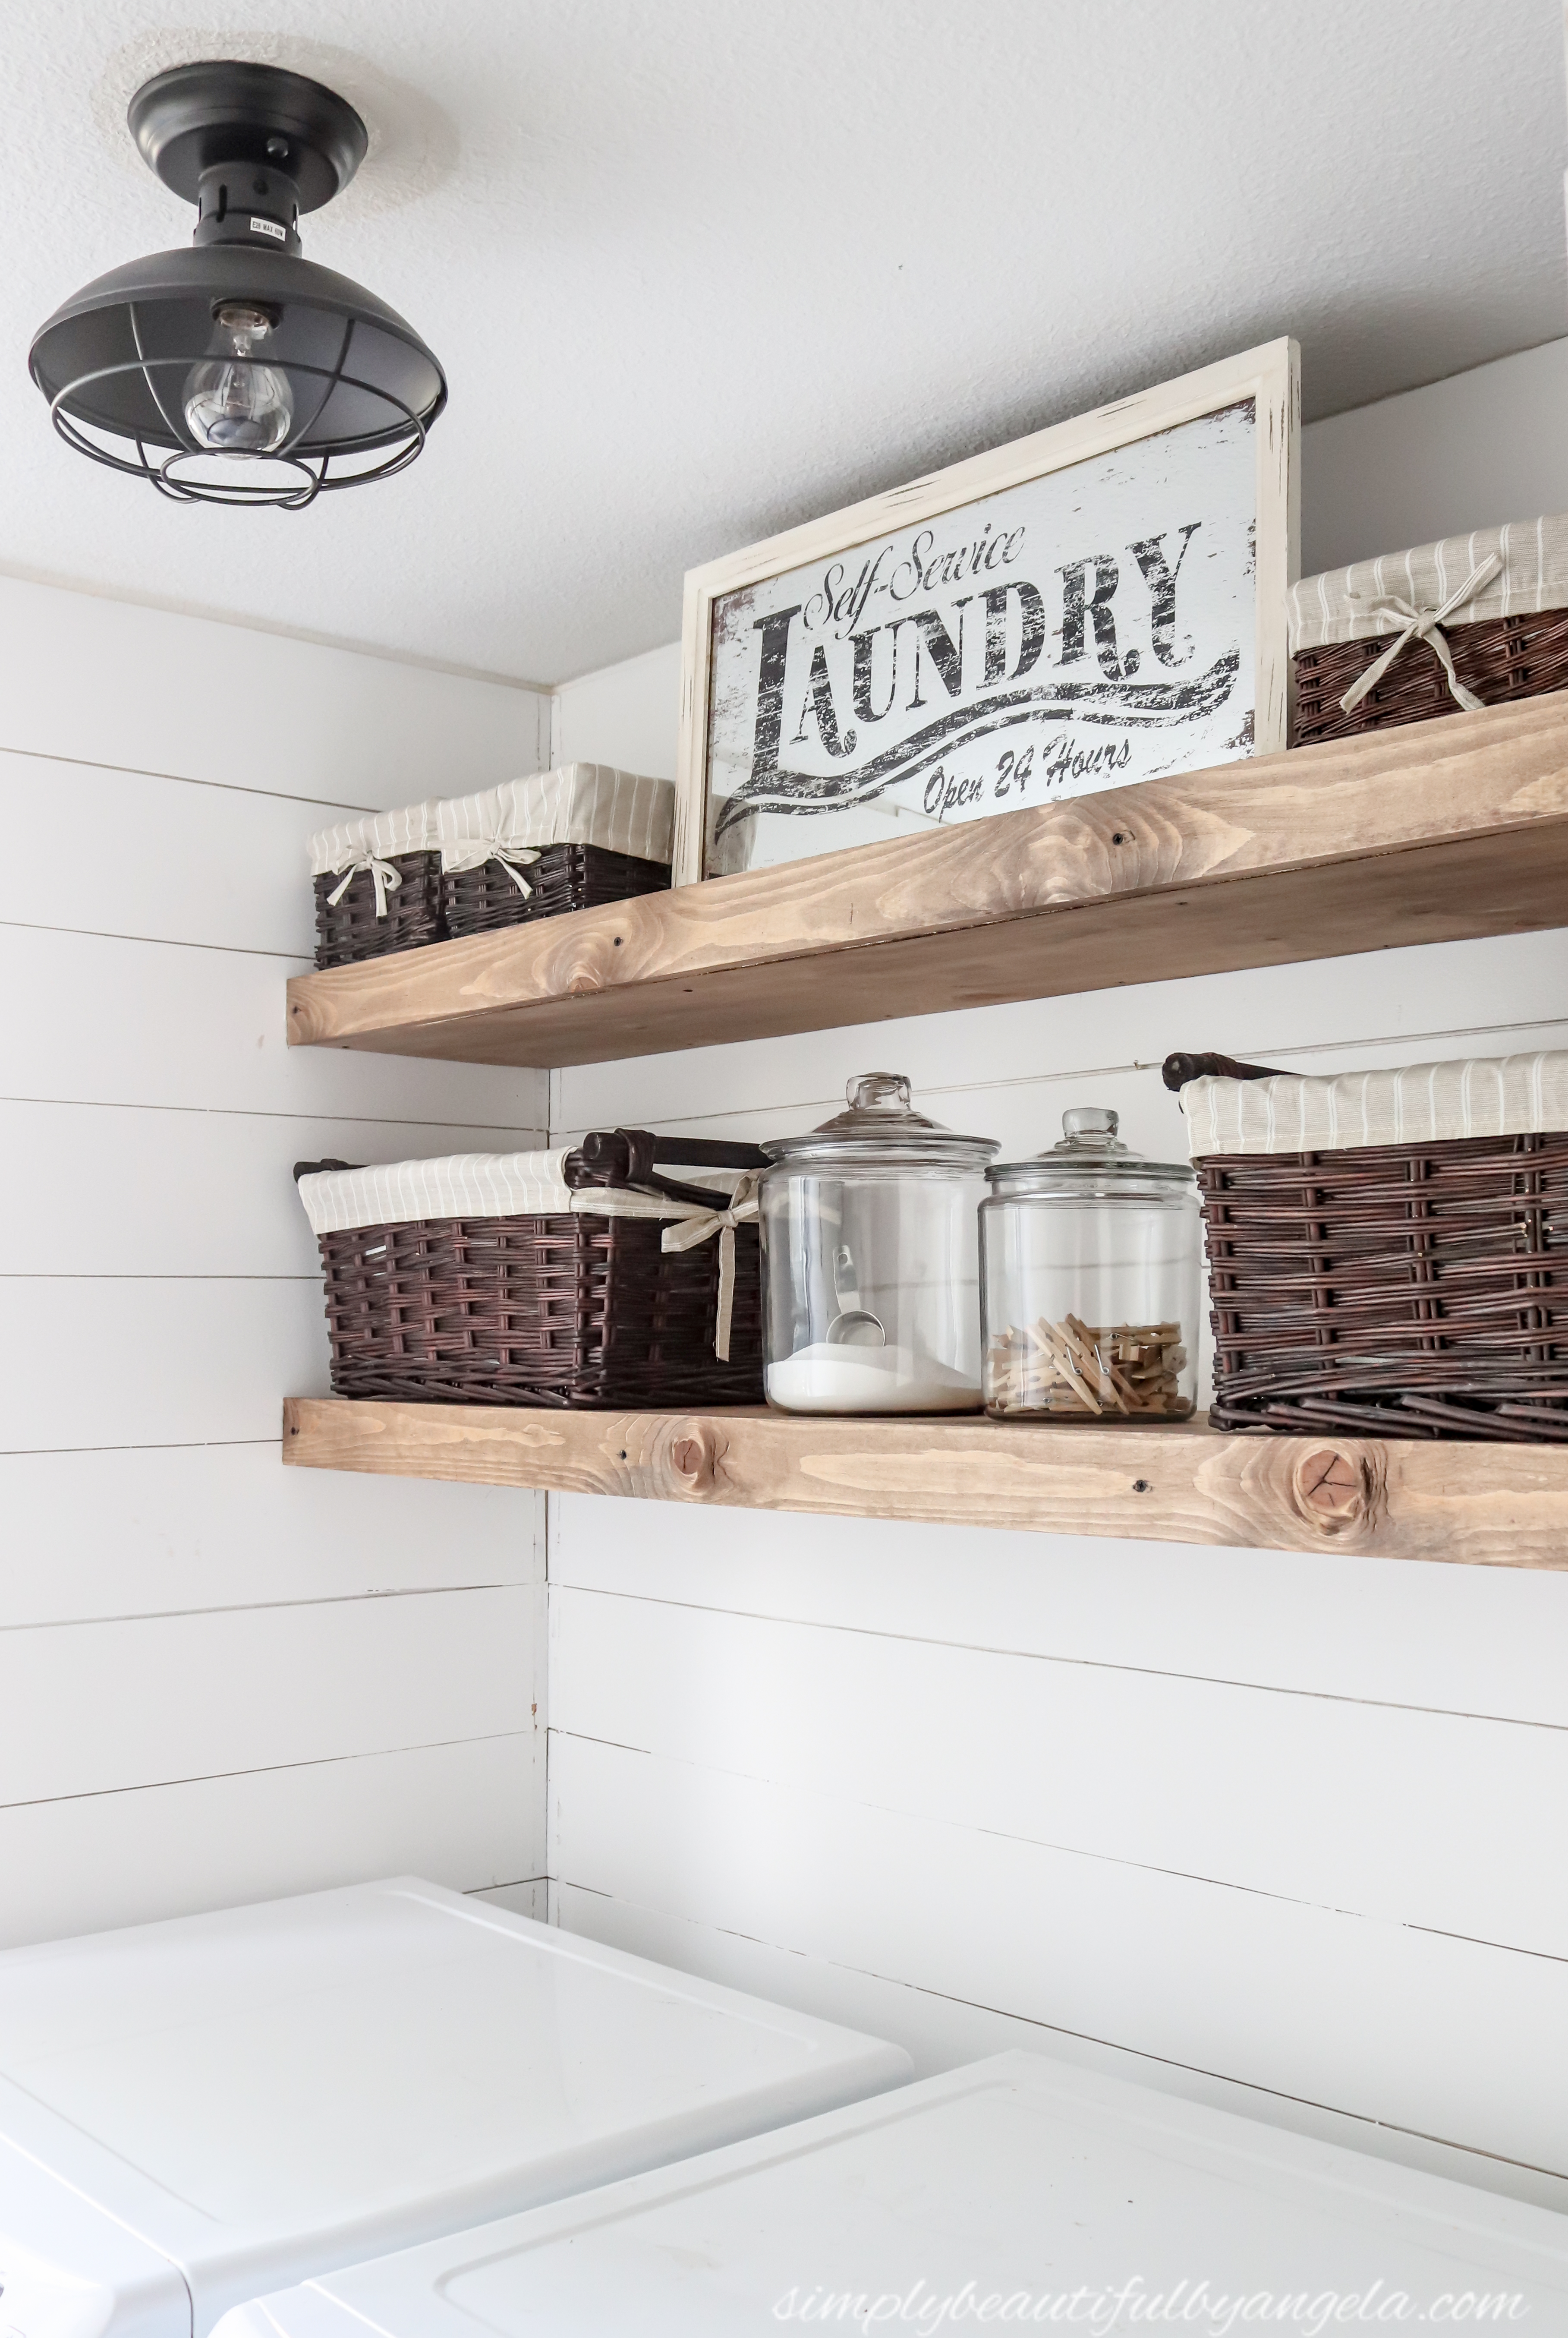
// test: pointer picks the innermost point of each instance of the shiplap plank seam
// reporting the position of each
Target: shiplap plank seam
(464, 1815)
(362, 1674)
(131, 1023)
(1457, 1638)
(143, 1445)
(1156, 1961)
(1133, 1866)
(204, 1529)
(1054, 1847)
(243, 1112)
(153, 941)
(765, 1616)
(153, 1530)
(259, 1606)
(914, 1989)
(1425, 1819)
(182, 779)
(266, 1769)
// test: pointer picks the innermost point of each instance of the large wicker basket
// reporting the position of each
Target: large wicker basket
(616, 1283)
(1414, 1287)
(1470, 621)
(558, 841)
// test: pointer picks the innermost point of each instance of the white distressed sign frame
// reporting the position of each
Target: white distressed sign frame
(1268, 375)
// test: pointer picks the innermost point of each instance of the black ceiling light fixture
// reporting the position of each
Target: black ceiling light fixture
(239, 372)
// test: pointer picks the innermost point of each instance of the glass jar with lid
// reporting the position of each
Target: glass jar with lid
(870, 1260)
(1090, 1280)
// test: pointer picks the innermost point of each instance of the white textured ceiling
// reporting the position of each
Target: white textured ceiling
(698, 269)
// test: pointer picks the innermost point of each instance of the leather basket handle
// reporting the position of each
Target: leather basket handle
(1178, 1069)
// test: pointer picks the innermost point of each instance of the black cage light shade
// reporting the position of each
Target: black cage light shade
(237, 371)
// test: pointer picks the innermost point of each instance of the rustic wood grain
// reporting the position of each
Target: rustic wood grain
(1433, 832)
(1478, 1503)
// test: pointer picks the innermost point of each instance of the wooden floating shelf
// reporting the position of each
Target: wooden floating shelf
(1437, 832)
(1482, 1504)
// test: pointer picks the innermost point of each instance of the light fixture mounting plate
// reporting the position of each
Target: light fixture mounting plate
(195, 117)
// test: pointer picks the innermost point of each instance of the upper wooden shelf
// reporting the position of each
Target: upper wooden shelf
(1385, 1497)
(1437, 832)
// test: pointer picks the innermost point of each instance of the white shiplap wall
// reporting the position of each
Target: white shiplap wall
(1276, 1830)
(220, 1680)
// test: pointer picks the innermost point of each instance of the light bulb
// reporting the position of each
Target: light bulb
(233, 405)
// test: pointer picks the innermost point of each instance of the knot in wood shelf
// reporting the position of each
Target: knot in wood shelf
(1338, 1488)
(697, 1456)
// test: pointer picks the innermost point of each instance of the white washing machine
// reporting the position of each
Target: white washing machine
(194, 2112)
(1015, 2191)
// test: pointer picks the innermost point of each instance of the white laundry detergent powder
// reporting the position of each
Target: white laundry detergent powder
(829, 1378)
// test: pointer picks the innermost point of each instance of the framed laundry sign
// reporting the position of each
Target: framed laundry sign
(1099, 603)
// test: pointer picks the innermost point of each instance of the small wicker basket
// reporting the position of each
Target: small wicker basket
(1468, 621)
(366, 920)
(378, 882)
(559, 840)
(1387, 1251)
(564, 877)
(622, 1272)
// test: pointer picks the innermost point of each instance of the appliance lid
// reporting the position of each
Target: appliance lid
(881, 1125)
(266, 2092)
(68, 2269)
(1018, 2177)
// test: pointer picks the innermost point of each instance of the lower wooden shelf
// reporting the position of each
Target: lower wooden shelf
(1477, 1504)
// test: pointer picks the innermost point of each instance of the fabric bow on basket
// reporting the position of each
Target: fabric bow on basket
(474, 851)
(1426, 625)
(384, 876)
(701, 1227)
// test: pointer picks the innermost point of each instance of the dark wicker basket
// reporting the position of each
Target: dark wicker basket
(564, 877)
(1411, 1290)
(351, 931)
(1499, 658)
(559, 1310)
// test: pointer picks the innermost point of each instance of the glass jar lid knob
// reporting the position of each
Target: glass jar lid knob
(1090, 1129)
(1090, 1120)
(878, 1092)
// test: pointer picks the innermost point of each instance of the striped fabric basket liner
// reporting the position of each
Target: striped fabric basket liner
(532, 848)
(1389, 1251)
(1470, 621)
(621, 1273)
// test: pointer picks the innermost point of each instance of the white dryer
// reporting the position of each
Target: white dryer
(193, 2112)
(1017, 2192)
